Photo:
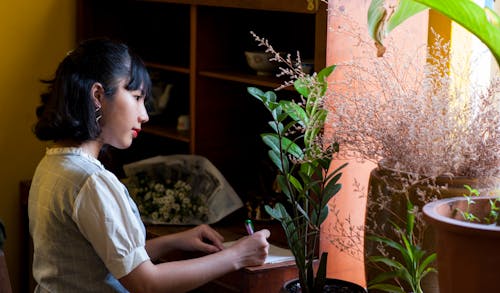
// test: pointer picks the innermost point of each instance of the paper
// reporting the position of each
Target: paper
(275, 255)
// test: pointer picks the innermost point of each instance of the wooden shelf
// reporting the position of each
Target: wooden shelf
(167, 132)
(246, 79)
(172, 68)
(198, 46)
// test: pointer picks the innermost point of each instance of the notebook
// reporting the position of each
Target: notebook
(276, 254)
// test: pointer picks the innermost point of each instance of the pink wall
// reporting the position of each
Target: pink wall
(350, 201)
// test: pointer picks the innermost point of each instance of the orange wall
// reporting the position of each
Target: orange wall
(34, 36)
(409, 36)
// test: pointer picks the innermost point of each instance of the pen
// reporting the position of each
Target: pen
(249, 226)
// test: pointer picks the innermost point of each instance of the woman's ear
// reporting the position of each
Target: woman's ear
(97, 92)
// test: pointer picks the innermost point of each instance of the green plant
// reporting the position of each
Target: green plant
(484, 23)
(493, 215)
(297, 148)
(415, 264)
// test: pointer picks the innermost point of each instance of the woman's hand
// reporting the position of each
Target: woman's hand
(200, 238)
(252, 250)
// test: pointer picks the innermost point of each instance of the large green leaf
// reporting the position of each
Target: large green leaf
(278, 144)
(295, 111)
(280, 162)
(464, 12)
(257, 93)
(405, 10)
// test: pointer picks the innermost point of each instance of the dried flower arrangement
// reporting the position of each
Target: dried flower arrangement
(418, 118)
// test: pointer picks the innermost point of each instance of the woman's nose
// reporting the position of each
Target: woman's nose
(143, 115)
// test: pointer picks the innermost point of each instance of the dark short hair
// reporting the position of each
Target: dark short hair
(67, 110)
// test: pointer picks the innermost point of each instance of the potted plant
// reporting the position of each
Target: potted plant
(414, 265)
(420, 128)
(467, 252)
(302, 156)
(453, 235)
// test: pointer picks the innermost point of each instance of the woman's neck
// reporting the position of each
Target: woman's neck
(91, 147)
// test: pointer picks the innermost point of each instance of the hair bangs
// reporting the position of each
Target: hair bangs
(139, 77)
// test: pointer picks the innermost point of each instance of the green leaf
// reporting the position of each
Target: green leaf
(323, 215)
(479, 21)
(295, 111)
(331, 190)
(376, 18)
(283, 184)
(270, 96)
(276, 126)
(302, 212)
(257, 93)
(295, 183)
(315, 127)
(277, 160)
(387, 261)
(275, 212)
(301, 86)
(322, 78)
(277, 144)
(410, 220)
(388, 242)
(427, 261)
(405, 10)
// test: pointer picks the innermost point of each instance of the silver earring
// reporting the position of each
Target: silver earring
(98, 114)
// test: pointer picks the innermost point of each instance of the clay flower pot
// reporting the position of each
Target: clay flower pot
(332, 285)
(467, 253)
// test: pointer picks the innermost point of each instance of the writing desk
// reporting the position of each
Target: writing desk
(268, 278)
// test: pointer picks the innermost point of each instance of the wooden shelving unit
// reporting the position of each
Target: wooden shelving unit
(199, 45)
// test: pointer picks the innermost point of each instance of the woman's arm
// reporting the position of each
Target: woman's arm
(182, 276)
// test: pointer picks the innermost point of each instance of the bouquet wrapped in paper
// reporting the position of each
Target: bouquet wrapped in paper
(180, 190)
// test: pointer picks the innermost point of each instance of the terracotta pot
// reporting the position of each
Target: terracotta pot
(387, 189)
(467, 253)
(332, 285)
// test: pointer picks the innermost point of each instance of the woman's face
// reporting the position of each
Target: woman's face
(122, 117)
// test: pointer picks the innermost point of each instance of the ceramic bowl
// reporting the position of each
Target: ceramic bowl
(259, 61)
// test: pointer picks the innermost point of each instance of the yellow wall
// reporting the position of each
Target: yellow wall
(34, 36)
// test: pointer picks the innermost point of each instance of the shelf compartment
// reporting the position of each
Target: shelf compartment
(249, 79)
(167, 132)
(165, 67)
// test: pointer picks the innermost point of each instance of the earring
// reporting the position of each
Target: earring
(98, 114)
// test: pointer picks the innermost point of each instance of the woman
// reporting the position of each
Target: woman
(87, 233)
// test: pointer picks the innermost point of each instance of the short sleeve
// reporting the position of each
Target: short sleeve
(105, 216)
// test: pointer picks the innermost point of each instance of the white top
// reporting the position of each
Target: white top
(84, 225)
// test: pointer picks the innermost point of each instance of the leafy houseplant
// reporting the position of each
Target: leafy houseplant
(415, 265)
(302, 157)
(302, 164)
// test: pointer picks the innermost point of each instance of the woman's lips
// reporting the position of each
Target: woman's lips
(135, 132)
